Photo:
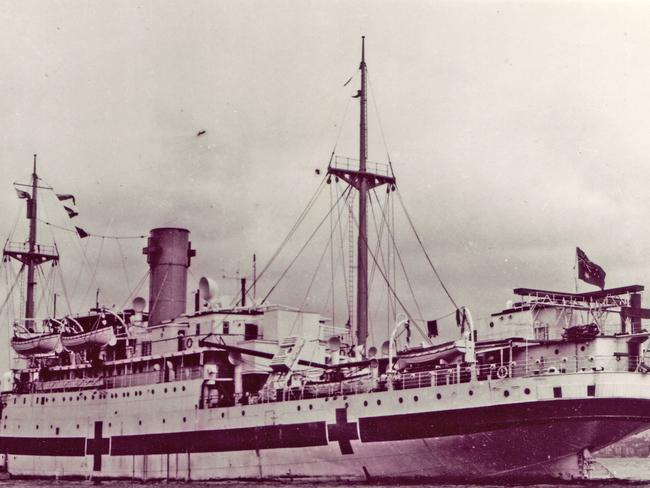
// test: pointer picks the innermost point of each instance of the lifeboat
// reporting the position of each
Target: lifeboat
(31, 343)
(104, 336)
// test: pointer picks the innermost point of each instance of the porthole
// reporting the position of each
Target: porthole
(77, 426)
(174, 389)
(582, 348)
(378, 402)
(165, 390)
(311, 407)
(506, 393)
(223, 414)
(184, 420)
(139, 422)
(416, 398)
(557, 351)
(527, 391)
(182, 388)
(439, 396)
(298, 408)
(400, 399)
(164, 421)
(109, 425)
(346, 405)
(491, 324)
(36, 426)
(334, 397)
(243, 412)
(365, 404)
(471, 392)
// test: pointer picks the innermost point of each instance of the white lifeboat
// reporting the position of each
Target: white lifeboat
(104, 336)
(29, 343)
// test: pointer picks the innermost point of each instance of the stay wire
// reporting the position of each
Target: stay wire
(408, 217)
(289, 235)
(303, 247)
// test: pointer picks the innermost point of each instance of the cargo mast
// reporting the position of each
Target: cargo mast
(362, 180)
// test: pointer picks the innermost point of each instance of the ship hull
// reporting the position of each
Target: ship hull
(412, 433)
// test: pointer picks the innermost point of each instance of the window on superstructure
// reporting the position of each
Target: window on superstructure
(541, 331)
(250, 332)
(198, 329)
(146, 348)
(226, 327)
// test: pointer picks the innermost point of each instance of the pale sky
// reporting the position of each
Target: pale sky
(517, 131)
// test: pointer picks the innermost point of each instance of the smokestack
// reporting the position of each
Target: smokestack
(168, 254)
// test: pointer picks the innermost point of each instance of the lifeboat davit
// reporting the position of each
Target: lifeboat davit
(31, 343)
(104, 336)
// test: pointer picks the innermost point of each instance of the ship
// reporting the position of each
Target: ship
(244, 389)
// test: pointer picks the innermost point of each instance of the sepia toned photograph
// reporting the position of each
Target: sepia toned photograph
(324, 243)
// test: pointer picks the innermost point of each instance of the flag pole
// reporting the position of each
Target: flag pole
(575, 272)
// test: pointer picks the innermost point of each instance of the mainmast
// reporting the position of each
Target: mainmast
(362, 243)
(29, 253)
(363, 180)
(31, 265)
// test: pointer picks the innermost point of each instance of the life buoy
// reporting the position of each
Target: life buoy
(502, 372)
(188, 343)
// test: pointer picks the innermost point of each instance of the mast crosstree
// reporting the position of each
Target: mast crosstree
(30, 253)
(358, 175)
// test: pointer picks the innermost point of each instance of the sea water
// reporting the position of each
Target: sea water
(628, 472)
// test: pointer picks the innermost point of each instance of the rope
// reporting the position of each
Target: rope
(399, 195)
(11, 289)
(301, 217)
(401, 262)
(73, 231)
(303, 247)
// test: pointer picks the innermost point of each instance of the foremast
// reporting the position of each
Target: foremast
(29, 253)
(362, 180)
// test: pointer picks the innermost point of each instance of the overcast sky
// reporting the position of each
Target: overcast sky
(517, 131)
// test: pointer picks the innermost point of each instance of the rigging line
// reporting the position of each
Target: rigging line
(380, 234)
(378, 249)
(394, 294)
(338, 255)
(303, 247)
(155, 302)
(65, 289)
(330, 245)
(136, 289)
(332, 270)
(301, 217)
(123, 261)
(345, 113)
(345, 277)
(336, 262)
(313, 278)
(401, 262)
(408, 217)
(9, 294)
(93, 281)
(381, 127)
(73, 231)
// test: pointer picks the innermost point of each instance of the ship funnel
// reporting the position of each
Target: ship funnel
(168, 254)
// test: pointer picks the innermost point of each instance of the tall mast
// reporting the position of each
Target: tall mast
(363, 180)
(29, 253)
(31, 265)
(362, 242)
